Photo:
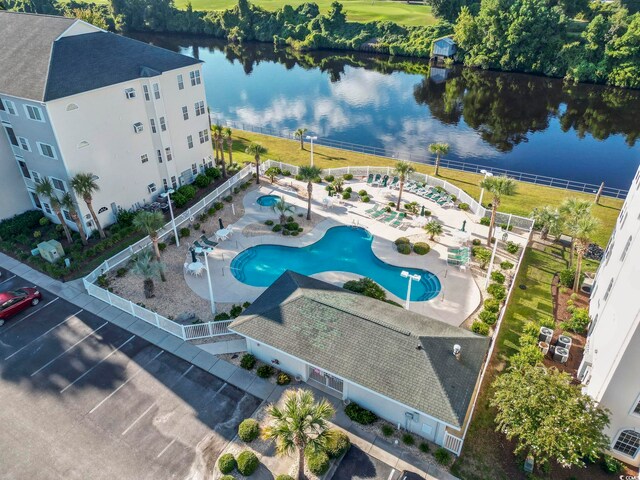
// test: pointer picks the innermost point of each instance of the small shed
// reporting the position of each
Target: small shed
(51, 250)
(443, 47)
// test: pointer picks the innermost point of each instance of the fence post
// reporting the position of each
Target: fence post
(133, 312)
(210, 324)
(155, 315)
(509, 222)
(184, 335)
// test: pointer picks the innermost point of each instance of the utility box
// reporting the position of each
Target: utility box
(51, 250)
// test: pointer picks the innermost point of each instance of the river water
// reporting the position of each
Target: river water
(502, 120)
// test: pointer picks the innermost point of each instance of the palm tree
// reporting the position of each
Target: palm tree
(282, 208)
(301, 423)
(144, 266)
(402, 170)
(299, 133)
(227, 136)
(498, 187)
(548, 220)
(69, 205)
(309, 174)
(256, 150)
(433, 228)
(149, 223)
(219, 140)
(84, 184)
(438, 149)
(572, 210)
(585, 228)
(45, 189)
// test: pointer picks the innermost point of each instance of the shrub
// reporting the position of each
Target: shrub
(295, 233)
(276, 228)
(284, 477)
(235, 311)
(286, 233)
(442, 456)
(480, 328)
(264, 371)
(360, 415)
(248, 361)
(248, 430)
(408, 439)
(37, 234)
(528, 354)
(491, 305)
(611, 465)
(348, 189)
(421, 248)
(283, 379)
(367, 287)
(497, 291)
(497, 277)
(121, 272)
(162, 246)
(298, 177)
(213, 173)
(228, 198)
(476, 242)
(567, 277)
(329, 178)
(218, 205)
(512, 247)
(348, 176)
(482, 255)
(337, 444)
(387, 430)
(286, 173)
(346, 195)
(226, 463)
(269, 223)
(424, 447)
(486, 221)
(247, 463)
(202, 181)
(227, 477)
(291, 226)
(317, 462)
(488, 317)
(185, 232)
(463, 206)
(578, 322)
(196, 226)
(401, 240)
(404, 248)
(365, 199)
(363, 193)
(221, 316)
(188, 191)
(506, 265)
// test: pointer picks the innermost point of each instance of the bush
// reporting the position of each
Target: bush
(482, 255)
(121, 272)
(184, 232)
(348, 189)
(226, 463)
(213, 173)
(480, 328)
(443, 457)
(463, 206)
(196, 226)
(497, 291)
(188, 191)
(162, 246)
(248, 430)
(512, 247)
(488, 317)
(476, 242)
(567, 277)
(218, 205)
(283, 379)
(408, 439)
(21, 224)
(247, 463)
(337, 444)
(363, 193)
(346, 195)
(492, 305)
(365, 199)
(329, 178)
(528, 354)
(298, 177)
(366, 287)
(421, 248)
(248, 361)
(506, 265)
(227, 477)
(360, 415)
(235, 311)
(269, 223)
(286, 233)
(578, 322)
(497, 277)
(284, 477)
(291, 226)
(486, 221)
(611, 465)
(317, 462)
(286, 173)
(264, 371)
(401, 240)
(221, 316)
(387, 430)
(276, 228)
(228, 198)
(404, 248)
(202, 181)
(424, 447)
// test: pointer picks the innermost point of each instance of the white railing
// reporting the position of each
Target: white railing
(452, 443)
(186, 332)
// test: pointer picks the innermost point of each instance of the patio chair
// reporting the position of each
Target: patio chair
(389, 217)
(376, 181)
(198, 245)
(373, 209)
(370, 178)
(410, 187)
(385, 179)
(394, 183)
(208, 242)
(378, 213)
(398, 221)
(442, 200)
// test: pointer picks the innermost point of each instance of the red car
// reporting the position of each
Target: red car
(17, 300)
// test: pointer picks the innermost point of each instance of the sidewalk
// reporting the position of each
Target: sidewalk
(75, 293)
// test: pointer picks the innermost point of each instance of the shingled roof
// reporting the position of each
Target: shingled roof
(400, 354)
(36, 64)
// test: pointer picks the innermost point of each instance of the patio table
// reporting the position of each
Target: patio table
(223, 233)
(196, 268)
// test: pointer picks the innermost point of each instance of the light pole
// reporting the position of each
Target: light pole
(416, 277)
(206, 264)
(486, 174)
(167, 195)
(311, 138)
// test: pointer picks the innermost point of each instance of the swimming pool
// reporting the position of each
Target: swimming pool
(268, 200)
(342, 249)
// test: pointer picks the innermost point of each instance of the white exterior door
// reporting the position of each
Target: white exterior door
(326, 379)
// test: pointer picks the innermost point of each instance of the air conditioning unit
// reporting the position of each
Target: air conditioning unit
(561, 355)
(544, 347)
(587, 285)
(130, 93)
(138, 127)
(546, 334)
(564, 341)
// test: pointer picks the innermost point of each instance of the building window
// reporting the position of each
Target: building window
(24, 144)
(11, 107)
(609, 287)
(167, 152)
(204, 136)
(67, 216)
(194, 169)
(151, 187)
(145, 90)
(144, 158)
(165, 184)
(47, 150)
(130, 93)
(185, 113)
(163, 124)
(156, 91)
(2, 106)
(35, 199)
(35, 176)
(24, 169)
(636, 410)
(180, 82)
(626, 248)
(47, 208)
(34, 113)
(159, 154)
(152, 122)
(58, 184)
(137, 127)
(190, 141)
(195, 78)
(199, 106)
(174, 183)
(628, 443)
(12, 136)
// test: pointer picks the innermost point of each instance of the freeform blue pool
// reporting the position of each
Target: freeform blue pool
(342, 249)
(268, 200)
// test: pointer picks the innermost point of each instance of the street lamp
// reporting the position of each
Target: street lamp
(311, 138)
(416, 277)
(206, 264)
(167, 195)
(486, 174)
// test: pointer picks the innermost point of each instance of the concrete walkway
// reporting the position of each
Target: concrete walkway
(75, 293)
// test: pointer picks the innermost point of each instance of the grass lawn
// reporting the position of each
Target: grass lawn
(527, 197)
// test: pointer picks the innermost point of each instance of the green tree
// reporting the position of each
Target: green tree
(572, 210)
(308, 174)
(272, 173)
(438, 149)
(219, 141)
(434, 229)
(68, 203)
(255, 149)
(402, 170)
(144, 266)
(91, 16)
(228, 136)
(216, 133)
(548, 416)
(85, 185)
(282, 208)
(299, 134)
(45, 189)
(298, 425)
(150, 223)
(585, 228)
(549, 221)
(498, 187)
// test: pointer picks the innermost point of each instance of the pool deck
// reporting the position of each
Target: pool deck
(459, 297)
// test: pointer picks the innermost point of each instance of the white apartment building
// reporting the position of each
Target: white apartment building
(609, 370)
(74, 98)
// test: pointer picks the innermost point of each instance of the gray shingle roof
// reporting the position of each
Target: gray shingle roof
(369, 342)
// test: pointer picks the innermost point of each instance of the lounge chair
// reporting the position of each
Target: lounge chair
(394, 183)
(410, 187)
(208, 242)
(370, 178)
(442, 200)
(378, 213)
(196, 244)
(398, 221)
(376, 181)
(389, 217)
(385, 179)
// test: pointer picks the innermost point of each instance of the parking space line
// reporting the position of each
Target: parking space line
(16, 323)
(72, 346)
(154, 403)
(7, 279)
(128, 380)
(87, 372)
(40, 336)
(166, 448)
(393, 470)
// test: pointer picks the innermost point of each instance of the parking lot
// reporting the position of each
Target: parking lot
(83, 398)
(357, 465)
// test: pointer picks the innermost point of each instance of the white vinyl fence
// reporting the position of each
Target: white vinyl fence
(186, 332)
